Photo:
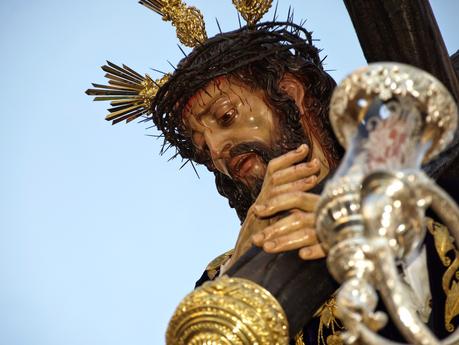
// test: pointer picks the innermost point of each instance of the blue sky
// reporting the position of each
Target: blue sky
(100, 237)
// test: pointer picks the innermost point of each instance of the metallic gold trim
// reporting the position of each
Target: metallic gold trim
(188, 20)
(252, 10)
(299, 338)
(130, 93)
(228, 311)
(328, 320)
(215, 264)
(450, 281)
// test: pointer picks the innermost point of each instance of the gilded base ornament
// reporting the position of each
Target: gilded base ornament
(228, 311)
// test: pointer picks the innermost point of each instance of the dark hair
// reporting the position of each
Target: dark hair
(259, 57)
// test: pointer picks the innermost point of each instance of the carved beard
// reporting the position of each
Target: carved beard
(291, 138)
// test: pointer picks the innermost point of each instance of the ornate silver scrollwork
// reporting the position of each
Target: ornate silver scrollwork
(391, 118)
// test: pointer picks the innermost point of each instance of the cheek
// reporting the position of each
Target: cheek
(260, 120)
(198, 140)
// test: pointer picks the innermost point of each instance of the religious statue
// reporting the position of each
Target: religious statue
(252, 106)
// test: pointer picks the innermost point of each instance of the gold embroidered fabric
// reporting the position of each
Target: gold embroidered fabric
(214, 265)
(449, 255)
(299, 338)
(329, 321)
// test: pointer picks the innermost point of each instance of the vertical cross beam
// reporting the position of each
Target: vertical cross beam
(403, 31)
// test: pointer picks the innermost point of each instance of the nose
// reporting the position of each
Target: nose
(219, 146)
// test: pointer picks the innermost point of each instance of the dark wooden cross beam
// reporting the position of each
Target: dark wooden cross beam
(403, 31)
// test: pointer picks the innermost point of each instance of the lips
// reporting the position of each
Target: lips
(241, 164)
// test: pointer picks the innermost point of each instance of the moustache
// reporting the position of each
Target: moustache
(265, 152)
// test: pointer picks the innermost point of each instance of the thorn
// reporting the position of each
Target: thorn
(157, 70)
(275, 11)
(218, 24)
(156, 136)
(173, 157)
(183, 52)
(186, 162)
(170, 63)
(194, 168)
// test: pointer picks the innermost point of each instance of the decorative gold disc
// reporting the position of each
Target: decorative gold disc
(228, 311)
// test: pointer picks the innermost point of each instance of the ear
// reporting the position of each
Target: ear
(294, 88)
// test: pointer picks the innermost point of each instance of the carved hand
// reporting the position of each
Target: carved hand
(282, 217)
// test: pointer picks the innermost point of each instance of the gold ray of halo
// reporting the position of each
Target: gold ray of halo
(130, 94)
(188, 20)
(252, 10)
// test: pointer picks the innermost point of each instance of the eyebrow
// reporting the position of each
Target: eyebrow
(211, 105)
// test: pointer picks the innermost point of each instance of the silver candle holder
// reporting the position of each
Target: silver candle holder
(391, 118)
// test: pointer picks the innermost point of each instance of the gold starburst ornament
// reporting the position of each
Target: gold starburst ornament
(188, 20)
(252, 10)
(129, 93)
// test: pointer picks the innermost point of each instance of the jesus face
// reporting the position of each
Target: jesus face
(235, 127)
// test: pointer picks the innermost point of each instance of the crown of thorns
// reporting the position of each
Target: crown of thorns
(132, 95)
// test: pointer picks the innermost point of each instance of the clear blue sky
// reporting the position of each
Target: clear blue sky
(100, 237)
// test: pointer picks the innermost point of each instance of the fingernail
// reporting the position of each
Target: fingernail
(269, 245)
(305, 252)
(311, 178)
(257, 238)
(301, 148)
(259, 208)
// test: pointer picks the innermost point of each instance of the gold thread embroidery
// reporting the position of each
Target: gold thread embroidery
(335, 339)
(299, 338)
(329, 320)
(443, 240)
(215, 264)
(450, 285)
(450, 281)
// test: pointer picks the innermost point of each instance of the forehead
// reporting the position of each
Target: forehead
(217, 89)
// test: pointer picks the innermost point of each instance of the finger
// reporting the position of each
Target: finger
(302, 185)
(288, 159)
(312, 252)
(286, 202)
(284, 226)
(295, 240)
(296, 172)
